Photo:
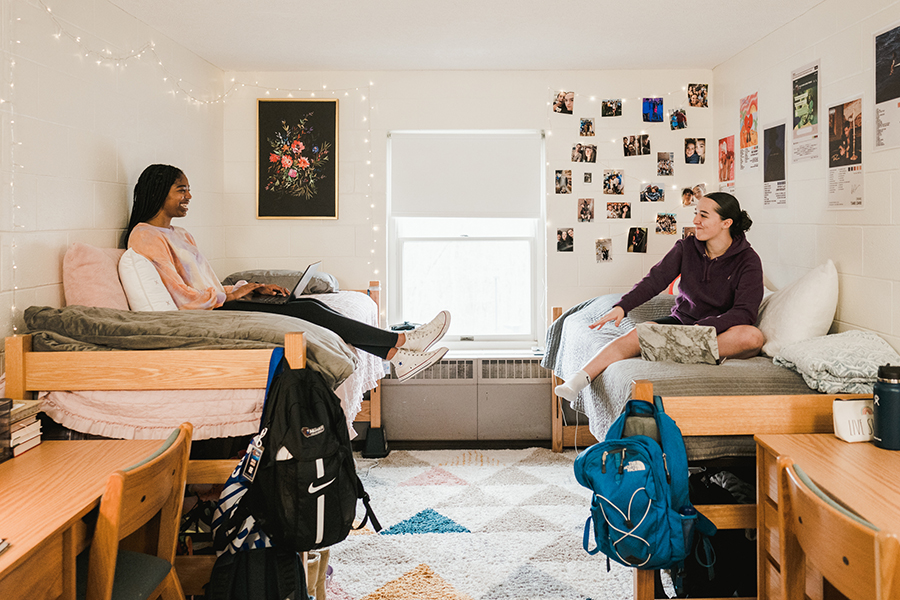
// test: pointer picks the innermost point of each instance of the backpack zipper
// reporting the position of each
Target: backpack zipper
(666, 467)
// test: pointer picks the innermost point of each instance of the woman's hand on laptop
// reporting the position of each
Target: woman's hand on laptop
(271, 290)
(255, 288)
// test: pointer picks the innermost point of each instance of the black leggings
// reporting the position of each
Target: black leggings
(356, 333)
(668, 321)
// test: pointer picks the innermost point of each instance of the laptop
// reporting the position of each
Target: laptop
(293, 282)
(687, 344)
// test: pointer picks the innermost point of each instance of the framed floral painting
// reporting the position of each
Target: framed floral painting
(297, 159)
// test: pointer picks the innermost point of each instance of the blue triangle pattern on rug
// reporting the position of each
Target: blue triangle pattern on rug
(426, 521)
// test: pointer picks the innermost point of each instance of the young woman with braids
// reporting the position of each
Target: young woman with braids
(721, 285)
(163, 193)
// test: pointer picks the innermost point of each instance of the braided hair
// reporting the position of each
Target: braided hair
(150, 194)
(728, 207)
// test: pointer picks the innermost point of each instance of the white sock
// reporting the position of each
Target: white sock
(569, 389)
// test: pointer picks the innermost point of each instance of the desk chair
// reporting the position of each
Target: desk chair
(851, 553)
(140, 510)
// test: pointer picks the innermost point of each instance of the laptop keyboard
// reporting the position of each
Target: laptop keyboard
(258, 298)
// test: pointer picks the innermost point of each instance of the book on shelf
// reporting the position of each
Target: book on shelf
(25, 446)
(24, 434)
(5, 452)
(22, 424)
(22, 409)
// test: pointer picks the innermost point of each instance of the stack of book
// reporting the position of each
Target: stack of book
(24, 426)
(5, 406)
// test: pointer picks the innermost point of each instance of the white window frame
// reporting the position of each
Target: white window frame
(537, 245)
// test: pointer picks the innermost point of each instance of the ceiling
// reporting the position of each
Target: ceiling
(338, 35)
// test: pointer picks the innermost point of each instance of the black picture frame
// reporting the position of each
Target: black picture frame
(297, 159)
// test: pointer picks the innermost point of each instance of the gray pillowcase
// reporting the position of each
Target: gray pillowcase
(321, 283)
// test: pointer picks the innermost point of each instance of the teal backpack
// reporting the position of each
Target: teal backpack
(641, 513)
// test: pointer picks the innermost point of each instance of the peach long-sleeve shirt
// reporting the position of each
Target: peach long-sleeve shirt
(184, 271)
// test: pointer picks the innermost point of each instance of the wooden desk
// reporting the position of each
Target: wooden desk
(44, 493)
(860, 476)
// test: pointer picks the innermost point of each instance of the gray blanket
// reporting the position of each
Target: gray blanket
(87, 328)
(570, 344)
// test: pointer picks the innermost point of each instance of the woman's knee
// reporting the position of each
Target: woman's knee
(747, 339)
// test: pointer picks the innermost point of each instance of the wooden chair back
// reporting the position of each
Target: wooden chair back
(849, 552)
(141, 511)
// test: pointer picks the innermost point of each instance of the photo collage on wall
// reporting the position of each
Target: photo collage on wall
(622, 188)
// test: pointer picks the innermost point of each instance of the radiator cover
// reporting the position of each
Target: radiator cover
(470, 399)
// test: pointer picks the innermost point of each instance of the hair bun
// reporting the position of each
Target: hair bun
(746, 221)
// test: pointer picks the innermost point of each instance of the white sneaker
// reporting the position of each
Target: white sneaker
(407, 364)
(423, 337)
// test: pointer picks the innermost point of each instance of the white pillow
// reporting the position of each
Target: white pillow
(143, 287)
(802, 310)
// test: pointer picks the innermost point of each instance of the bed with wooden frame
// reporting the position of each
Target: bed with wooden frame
(755, 383)
(28, 372)
(714, 416)
(154, 369)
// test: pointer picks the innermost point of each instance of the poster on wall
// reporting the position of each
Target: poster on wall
(887, 88)
(694, 151)
(565, 239)
(774, 167)
(563, 181)
(637, 240)
(297, 159)
(726, 164)
(603, 249)
(805, 144)
(586, 210)
(749, 110)
(845, 161)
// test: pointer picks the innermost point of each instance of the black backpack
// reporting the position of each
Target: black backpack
(258, 574)
(305, 489)
(721, 565)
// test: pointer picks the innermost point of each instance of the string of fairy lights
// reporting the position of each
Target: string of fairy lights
(115, 61)
(677, 97)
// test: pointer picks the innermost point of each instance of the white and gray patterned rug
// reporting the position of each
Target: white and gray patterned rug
(474, 524)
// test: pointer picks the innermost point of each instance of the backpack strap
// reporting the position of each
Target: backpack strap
(286, 570)
(221, 580)
(276, 366)
(658, 403)
(370, 514)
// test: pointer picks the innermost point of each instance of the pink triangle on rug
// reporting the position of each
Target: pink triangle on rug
(334, 591)
(435, 476)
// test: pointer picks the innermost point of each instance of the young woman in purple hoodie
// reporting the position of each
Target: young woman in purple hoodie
(721, 285)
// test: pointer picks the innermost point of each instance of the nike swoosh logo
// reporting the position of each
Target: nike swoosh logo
(315, 488)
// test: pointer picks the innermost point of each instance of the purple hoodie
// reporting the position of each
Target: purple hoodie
(722, 292)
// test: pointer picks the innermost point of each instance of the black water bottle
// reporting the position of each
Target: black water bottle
(887, 408)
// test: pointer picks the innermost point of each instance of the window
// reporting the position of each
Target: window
(466, 232)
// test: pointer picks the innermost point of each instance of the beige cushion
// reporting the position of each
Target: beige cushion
(802, 310)
(91, 277)
(143, 286)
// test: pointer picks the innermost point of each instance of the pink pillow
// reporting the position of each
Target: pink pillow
(91, 277)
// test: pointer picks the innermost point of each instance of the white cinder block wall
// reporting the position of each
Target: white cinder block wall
(354, 251)
(76, 135)
(864, 244)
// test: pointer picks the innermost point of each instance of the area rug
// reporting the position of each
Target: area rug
(474, 525)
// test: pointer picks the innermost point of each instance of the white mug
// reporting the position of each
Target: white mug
(853, 419)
